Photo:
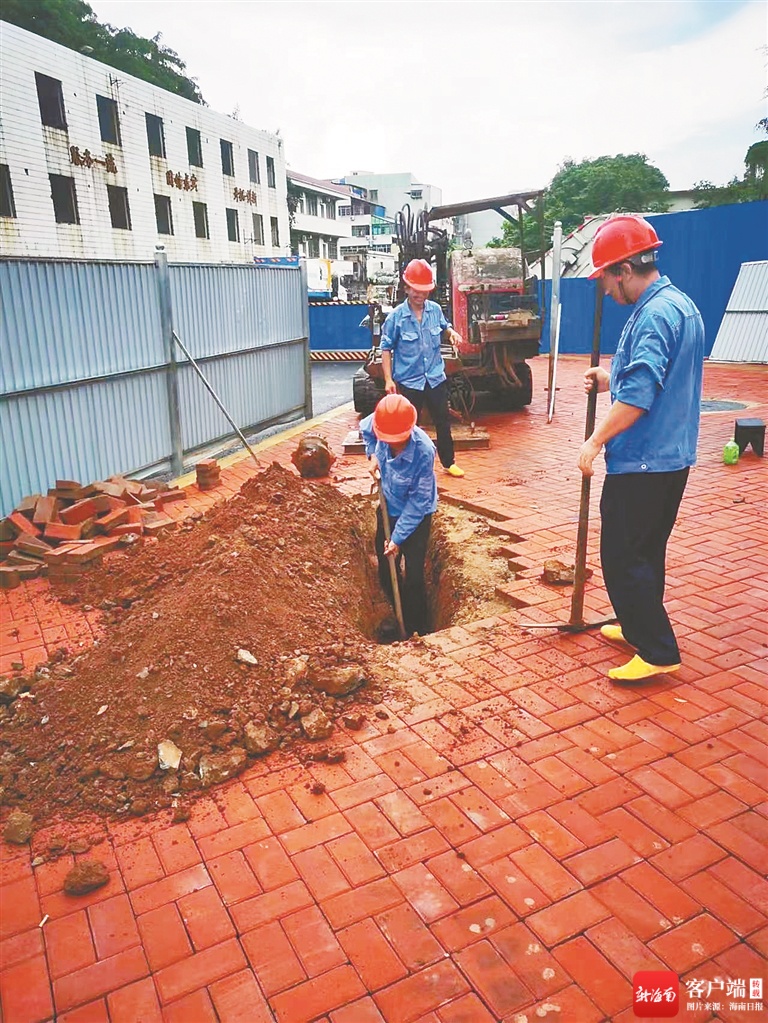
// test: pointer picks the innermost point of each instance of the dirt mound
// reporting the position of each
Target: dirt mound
(220, 642)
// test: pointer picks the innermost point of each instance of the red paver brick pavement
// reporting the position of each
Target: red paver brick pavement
(526, 839)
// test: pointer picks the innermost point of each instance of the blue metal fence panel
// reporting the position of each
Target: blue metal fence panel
(337, 328)
(255, 387)
(63, 321)
(219, 309)
(702, 253)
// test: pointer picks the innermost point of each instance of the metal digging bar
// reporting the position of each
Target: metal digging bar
(392, 565)
(576, 622)
(215, 396)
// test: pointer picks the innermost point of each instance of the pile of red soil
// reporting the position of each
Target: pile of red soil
(281, 571)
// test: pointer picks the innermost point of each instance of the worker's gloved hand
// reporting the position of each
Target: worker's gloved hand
(391, 550)
(596, 376)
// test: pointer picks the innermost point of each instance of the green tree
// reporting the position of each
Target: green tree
(73, 23)
(579, 190)
(750, 188)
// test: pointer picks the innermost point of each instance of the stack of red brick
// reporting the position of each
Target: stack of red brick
(73, 526)
(208, 474)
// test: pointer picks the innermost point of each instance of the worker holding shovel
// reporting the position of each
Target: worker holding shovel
(650, 436)
(402, 457)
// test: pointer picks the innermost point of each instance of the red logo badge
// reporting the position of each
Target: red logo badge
(655, 993)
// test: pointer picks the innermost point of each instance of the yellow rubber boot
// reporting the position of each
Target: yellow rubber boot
(454, 470)
(614, 633)
(637, 670)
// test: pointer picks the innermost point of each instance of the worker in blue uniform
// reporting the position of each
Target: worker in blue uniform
(411, 359)
(403, 457)
(650, 436)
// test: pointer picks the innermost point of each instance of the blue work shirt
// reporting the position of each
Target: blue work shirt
(408, 479)
(658, 367)
(415, 347)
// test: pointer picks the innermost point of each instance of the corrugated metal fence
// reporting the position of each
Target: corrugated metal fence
(88, 368)
(702, 253)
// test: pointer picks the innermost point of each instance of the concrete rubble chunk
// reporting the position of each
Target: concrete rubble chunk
(246, 657)
(18, 828)
(86, 876)
(168, 755)
(217, 767)
(317, 725)
(260, 738)
(10, 689)
(339, 681)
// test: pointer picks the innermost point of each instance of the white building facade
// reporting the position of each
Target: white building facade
(97, 164)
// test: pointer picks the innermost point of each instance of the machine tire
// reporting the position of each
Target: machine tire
(365, 393)
(519, 397)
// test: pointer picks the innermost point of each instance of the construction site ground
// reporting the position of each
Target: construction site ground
(506, 836)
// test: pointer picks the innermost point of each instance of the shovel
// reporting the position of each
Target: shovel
(392, 565)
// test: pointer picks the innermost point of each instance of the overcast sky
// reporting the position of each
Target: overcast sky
(478, 98)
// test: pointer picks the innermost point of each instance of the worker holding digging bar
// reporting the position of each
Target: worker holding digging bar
(402, 458)
(649, 435)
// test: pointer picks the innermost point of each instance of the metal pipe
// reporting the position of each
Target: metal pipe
(172, 376)
(553, 379)
(580, 570)
(215, 396)
(554, 307)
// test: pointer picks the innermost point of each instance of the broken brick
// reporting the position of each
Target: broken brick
(46, 510)
(22, 524)
(62, 531)
(78, 512)
(9, 578)
(27, 505)
(115, 518)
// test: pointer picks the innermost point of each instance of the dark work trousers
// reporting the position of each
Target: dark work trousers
(638, 511)
(436, 400)
(413, 591)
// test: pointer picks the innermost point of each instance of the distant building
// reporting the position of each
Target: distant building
(393, 191)
(97, 164)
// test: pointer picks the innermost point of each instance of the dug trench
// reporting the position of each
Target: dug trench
(250, 630)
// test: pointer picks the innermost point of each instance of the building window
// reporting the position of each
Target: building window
(155, 136)
(313, 247)
(271, 172)
(200, 213)
(109, 122)
(330, 209)
(275, 230)
(233, 226)
(163, 214)
(258, 229)
(227, 158)
(311, 204)
(51, 101)
(194, 148)
(415, 193)
(373, 194)
(7, 205)
(64, 199)
(333, 248)
(345, 211)
(360, 231)
(118, 207)
(253, 167)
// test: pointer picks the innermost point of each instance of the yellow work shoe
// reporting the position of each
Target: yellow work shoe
(637, 670)
(454, 470)
(614, 633)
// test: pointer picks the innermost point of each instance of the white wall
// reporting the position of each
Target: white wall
(33, 151)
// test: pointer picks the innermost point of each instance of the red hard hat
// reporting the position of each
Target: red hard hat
(620, 238)
(418, 275)
(394, 418)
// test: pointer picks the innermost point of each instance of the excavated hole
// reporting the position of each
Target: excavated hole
(465, 565)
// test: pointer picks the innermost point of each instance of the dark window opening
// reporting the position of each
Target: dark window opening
(313, 247)
(271, 172)
(163, 214)
(64, 199)
(311, 204)
(275, 231)
(7, 205)
(119, 210)
(227, 159)
(155, 135)
(109, 122)
(258, 229)
(194, 147)
(51, 101)
(200, 213)
(233, 226)
(333, 248)
(253, 167)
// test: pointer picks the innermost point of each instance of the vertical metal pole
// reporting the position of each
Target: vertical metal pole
(305, 332)
(577, 599)
(172, 369)
(543, 261)
(554, 306)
